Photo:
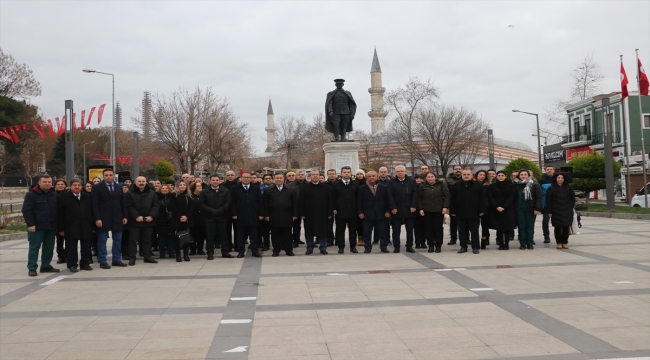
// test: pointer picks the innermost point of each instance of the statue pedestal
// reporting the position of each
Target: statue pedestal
(339, 154)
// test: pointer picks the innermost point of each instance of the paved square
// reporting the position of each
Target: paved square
(589, 302)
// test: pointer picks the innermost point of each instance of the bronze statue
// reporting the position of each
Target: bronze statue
(340, 108)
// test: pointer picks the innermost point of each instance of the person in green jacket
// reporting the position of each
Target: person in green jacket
(529, 205)
(433, 204)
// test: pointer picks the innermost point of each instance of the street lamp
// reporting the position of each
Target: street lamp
(545, 139)
(113, 111)
(539, 141)
(85, 177)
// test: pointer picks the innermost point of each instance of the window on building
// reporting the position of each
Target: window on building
(646, 121)
(588, 125)
(576, 129)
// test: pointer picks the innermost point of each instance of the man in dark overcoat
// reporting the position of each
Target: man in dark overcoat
(280, 210)
(110, 214)
(467, 205)
(316, 208)
(373, 209)
(144, 210)
(403, 198)
(344, 191)
(246, 210)
(214, 202)
(75, 224)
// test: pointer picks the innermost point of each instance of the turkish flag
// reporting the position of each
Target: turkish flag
(624, 83)
(643, 80)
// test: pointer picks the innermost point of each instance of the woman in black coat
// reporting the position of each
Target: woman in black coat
(197, 226)
(482, 177)
(163, 226)
(560, 200)
(88, 188)
(501, 209)
(182, 217)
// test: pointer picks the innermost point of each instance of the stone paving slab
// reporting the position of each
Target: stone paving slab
(589, 302)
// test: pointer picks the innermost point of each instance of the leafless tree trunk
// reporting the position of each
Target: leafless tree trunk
(226, 139)
(403, 106)
(17, 80)
(452, 133)
(289, 137)
(316, 136)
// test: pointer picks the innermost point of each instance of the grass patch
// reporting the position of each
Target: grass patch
(12, 229)
(619, 209)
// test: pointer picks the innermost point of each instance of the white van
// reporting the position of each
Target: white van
(638, 199)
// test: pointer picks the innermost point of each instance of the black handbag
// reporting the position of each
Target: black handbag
(184, 237)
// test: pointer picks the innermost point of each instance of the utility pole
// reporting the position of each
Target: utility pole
(609, 161)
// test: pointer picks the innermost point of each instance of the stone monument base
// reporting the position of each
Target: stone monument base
(339, 154)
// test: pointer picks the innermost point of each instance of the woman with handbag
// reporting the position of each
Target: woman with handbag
(560, 200)
(182, 211)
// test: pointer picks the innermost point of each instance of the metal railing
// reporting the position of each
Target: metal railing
(590, 138)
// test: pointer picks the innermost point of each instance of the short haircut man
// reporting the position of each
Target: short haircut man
(110, 214)
(40, 213)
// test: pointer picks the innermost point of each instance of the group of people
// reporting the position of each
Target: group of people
(267, 212)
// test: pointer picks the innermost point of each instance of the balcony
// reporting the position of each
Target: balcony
(577, 140)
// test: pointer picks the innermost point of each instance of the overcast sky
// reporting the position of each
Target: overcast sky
(291, 52)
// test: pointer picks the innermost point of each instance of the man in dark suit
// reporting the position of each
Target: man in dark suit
(403, 198)
(296, 182)
(467, 205)
(280, 211)
(316, 207)
(373, 209)
(214, 202)
(75, 224)
(246, 209)
(110, 214)
(345, 209)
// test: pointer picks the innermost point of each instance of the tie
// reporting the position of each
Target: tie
(280, 188)
(246, 187)
(79, 197)
(111, 187)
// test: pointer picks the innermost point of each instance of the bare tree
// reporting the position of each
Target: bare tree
(453, 134)
(227, 141)
(180, 119)
(289, 138)
(316, 136)
(403, 105)
(586, 82)
(17, 80)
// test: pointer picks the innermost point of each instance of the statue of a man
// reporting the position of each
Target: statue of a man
(340, 108)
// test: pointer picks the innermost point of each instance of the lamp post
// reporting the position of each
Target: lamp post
(113, 112)
(545, 139)
(539, 141)
(85, 177)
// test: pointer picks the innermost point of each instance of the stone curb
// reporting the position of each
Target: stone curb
(15, 236)
(617, 216)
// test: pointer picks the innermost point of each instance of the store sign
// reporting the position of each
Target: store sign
(585, 150)
(555, 156)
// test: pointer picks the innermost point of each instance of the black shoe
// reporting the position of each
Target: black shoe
(290, 253)
(452, 242)
(192, 252)
(308, 252)
(150, 261)
(417, 246)
(547, 240)
(437, 249)
(61, 261)
(186, 256)
(501, 247)
(210, 256)
(178, 258)
(301, 242)
(125, 257)
(410, 249)
(324, 252)
(132, 262)
(118, 263)
(375, 242)
(50, 270)
(162, 255)
(530, 247)
(354, 250)
(201, 252)
(385, 250)
(431, 249)
(73, 270)
(257, 255)
(462, 250)
(32, 273)
(275, 254)
(483, 244)
(367, 251)
(226, 256)
(266, 248)
(86, 267)
(534, 243)
(522, 247)
(240, 255)
(396, 251)
(506, 246)
(91, 261)
(475, 251)
(104, 266)
(341, 251)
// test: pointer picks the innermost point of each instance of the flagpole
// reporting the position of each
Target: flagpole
(628, 184)
(643, 156)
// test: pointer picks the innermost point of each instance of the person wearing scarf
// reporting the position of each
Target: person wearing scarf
(529, 205)
(501, 209)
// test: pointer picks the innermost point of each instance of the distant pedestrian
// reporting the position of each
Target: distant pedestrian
(560, 200)
(40, 213)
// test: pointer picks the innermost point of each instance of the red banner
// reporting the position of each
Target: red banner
(585, 150)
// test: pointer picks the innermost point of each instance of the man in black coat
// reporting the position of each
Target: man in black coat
(468, 204)
(345, 209)
(280, 211)
(246, 209)
(39, 211)
(231, 224)
(451, 180)
(316, 208)
(75, 224)
(143, 212)
(373, 208)
(110, 214)
(214, 202)
(403, 198)
(297, 183)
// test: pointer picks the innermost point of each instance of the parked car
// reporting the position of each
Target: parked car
(638, 199)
